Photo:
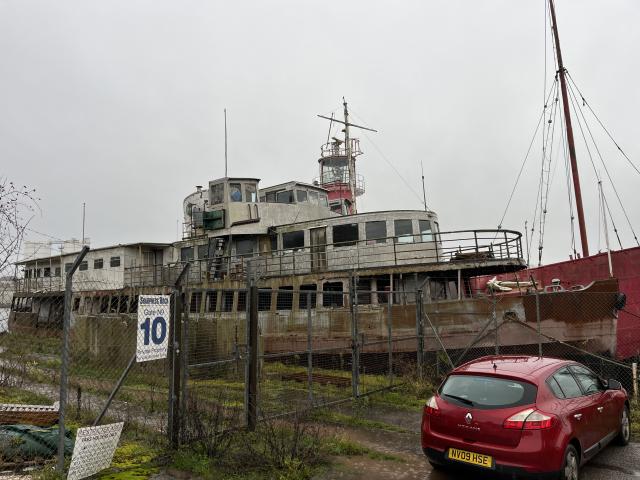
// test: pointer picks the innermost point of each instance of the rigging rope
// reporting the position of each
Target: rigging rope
(584, 101)
(615, 190)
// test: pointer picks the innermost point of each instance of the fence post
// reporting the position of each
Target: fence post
(535, 287)
(175, 381)
(495, 323)
(309, 350)
(252, 378)
(390, 336)
(64, 368)
(634, 372)
(420, 333)
(355, 350)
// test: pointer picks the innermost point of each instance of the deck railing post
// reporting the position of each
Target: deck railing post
(420, 333)
(390, 335)
(355, 348)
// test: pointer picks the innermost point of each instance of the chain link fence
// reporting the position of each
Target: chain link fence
(237, 356)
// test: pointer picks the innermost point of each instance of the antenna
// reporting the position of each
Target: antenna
(424, 195)
(330, 125)
(225, 142)
(83, 218)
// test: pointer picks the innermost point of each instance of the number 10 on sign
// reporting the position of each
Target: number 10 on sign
(153, 327)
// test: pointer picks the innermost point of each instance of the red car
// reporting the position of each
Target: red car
(524, 416)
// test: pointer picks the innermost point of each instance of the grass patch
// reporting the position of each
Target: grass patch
(337, 418)
(132, 461)
(21, 396)
(343, 447)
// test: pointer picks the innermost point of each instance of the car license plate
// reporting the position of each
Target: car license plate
(470, 457)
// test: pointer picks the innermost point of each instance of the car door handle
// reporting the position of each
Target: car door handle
(577, 416)
(600, 409)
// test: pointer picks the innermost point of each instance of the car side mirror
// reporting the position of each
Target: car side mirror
(612, 384)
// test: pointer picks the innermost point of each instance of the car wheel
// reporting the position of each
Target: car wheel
(624, 436)
(571, 465)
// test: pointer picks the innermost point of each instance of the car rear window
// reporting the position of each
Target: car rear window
(487, 392)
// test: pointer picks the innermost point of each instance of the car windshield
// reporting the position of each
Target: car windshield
(487, 392)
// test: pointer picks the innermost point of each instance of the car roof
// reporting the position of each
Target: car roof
(530, 367)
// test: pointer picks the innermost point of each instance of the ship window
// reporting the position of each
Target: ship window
(250, 193)
(235, 192)
(84, 265)
(323, 200)
(186, 254)
(364, 292)
(57, 272)
(313, 197)
(337, 208)
(67, 267)
(114, 261)
(284, 300)
(242, 301)
(196, 301)
(98, 263)
(47, 272)
(104, 304)
(274, 242)
(76, 304)
(403, 231)
(307, 291)
(203, 251)
(263, 199)
(345, 235)
(332, 295)
(285, 196)
(264, 300)
(301, 195)
(133, 304)
(271, 197)
(227, 300)
(217, 193)
(376, 232)
(425, 230)
(293, 240)
(124, 303)
(212, 301)
(245, 246)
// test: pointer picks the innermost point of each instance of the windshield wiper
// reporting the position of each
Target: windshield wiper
(460, 399)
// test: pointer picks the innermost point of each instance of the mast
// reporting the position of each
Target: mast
(572, 148)
(350, 159)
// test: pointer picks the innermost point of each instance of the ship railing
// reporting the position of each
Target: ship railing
(449, 249)
(333, 149)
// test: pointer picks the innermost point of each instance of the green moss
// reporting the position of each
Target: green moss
(132, 461)
(343, 447)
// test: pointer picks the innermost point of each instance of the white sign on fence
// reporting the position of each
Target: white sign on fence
(93, 450)
(153, 327)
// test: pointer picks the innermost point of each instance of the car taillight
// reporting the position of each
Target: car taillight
(529, 419)
(431, 407)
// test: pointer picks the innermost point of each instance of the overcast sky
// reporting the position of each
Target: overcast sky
(119, 104)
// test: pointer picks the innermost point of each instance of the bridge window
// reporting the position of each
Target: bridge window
(242, 301)
(271, 197)
(301, 196)
(376, 232)
(227, 300)
(345, 235)
(84, 265)
(235, 192)
(403, 231)
(293, 240)
(285, 196)
(217, 194)
(250, 193)
(425, 230)
(323, 200)
(196, 301)
(313, 197)
(98, 263)
(114, 261)
(212, 301)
